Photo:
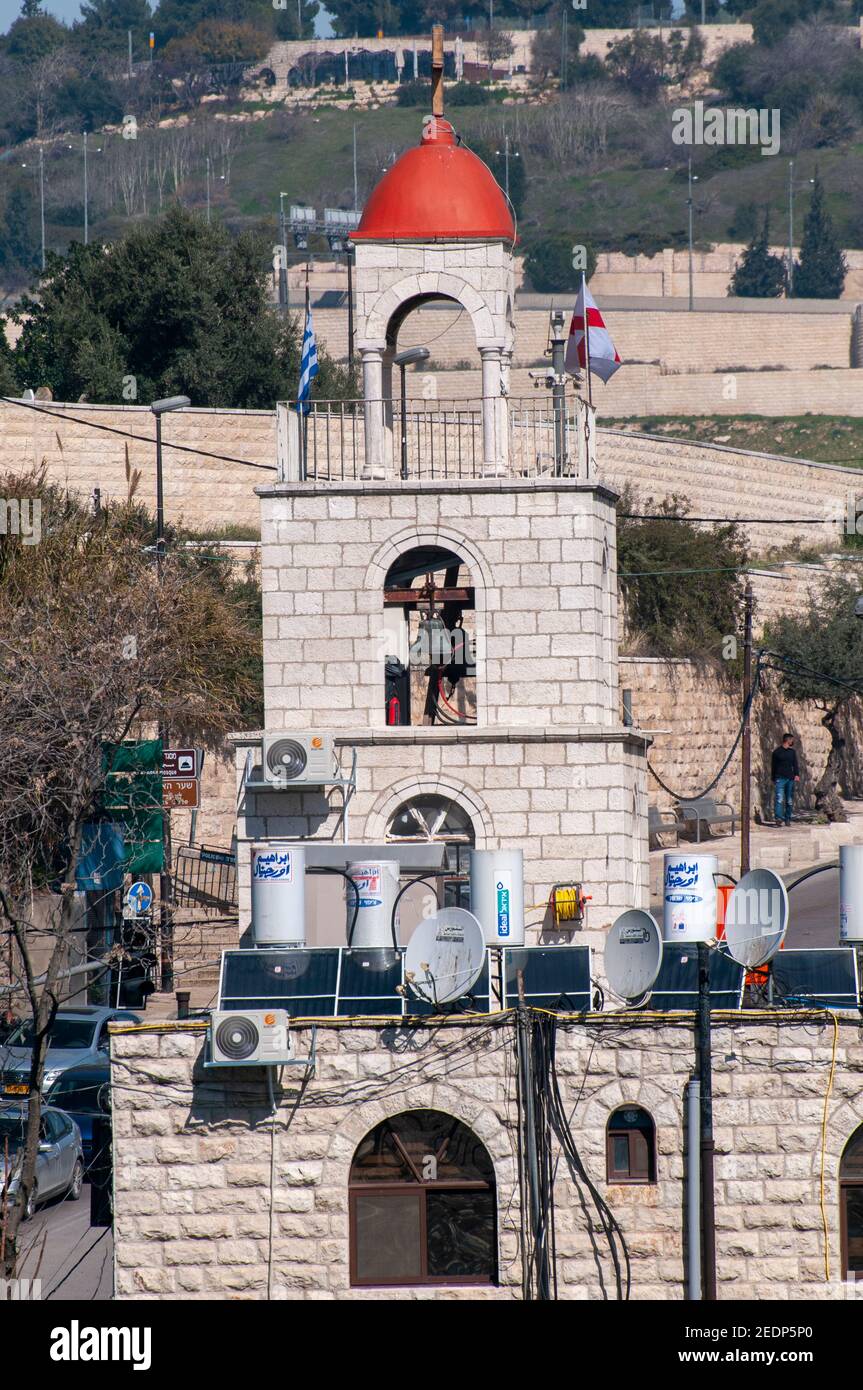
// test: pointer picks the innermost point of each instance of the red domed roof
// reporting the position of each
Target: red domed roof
(438, 191)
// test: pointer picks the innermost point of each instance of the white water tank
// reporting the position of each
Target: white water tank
(689, 896)
(851, 893)
(278, 894)
(497, 894)
(377, 882)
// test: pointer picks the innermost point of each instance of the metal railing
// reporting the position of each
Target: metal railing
(444, 439)
(205, 877)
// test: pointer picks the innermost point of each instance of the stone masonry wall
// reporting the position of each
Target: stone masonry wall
(195, 1216)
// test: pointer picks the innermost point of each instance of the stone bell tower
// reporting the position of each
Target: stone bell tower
(486, 533)
(437, 226)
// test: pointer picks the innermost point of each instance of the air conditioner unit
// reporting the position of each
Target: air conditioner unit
(298, 760)
(255, 1038)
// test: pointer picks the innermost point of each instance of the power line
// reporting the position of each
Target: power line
(139, 438)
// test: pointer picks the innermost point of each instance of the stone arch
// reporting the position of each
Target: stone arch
(394, 304)
(445, 536)
(387, 803)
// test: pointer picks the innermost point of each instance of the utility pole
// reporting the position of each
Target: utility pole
(746, 748)
(563, 49)
(86, 198)
(689, 206)
(283, 257)
(558, 390)
(356, 190)
(42, 199)
(208, 190)
(705, 1077)
(130, 52)
(789, 289)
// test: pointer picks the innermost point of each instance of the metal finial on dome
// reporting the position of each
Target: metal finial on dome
(437, 70)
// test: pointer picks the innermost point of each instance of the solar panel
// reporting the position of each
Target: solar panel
(368, 981)
(677, 982)
(555, 977)
(826, 978)
(304, 982)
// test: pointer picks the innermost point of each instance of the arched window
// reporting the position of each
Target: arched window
(430, 664)
(851, 1200)
(631, 1146)
(430, 820)
(422, 1204)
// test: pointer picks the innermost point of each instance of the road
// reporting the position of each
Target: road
(72, 1258)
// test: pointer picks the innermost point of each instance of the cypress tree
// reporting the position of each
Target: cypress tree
(820, 272)
(760, 275)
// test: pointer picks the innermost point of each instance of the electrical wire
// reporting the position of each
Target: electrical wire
(827, 1094)
(139, 438)
(680, 796)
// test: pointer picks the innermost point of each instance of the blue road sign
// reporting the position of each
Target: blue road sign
(140, 897)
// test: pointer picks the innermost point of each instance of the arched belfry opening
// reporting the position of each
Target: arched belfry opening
(436, 227)
(429, 619)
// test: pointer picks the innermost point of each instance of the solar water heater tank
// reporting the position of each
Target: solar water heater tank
(497, 894)
(377, 883)
(689, 896)
(278, 894)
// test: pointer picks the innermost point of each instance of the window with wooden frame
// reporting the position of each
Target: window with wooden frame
(851, 1205)
(630, 1146)
(422, 1204)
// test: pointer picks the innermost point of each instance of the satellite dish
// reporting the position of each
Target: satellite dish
(445, 956)
(756, 918)
(633, 954)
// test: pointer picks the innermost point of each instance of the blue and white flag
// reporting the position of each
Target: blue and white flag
(308, 362)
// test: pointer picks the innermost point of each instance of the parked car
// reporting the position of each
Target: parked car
(59, 1162)
(83, 1093)
(78, 1035)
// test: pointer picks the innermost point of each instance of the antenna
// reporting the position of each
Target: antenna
(445, 956)
(633, 954)
(756, 918)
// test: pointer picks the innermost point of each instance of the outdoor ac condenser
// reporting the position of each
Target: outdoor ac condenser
(298, 760)
(253, 1038)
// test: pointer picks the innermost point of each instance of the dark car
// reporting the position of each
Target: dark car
(84, 1093)
(59, 1162)
(78, 1035)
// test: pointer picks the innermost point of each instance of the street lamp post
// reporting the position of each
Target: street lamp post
(692, 178)
(160, 408)
(403, 360)
(283, 257)
(86, 198)
(507, 155)
(42, 199)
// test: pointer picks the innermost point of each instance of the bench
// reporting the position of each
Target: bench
(703, 810)
(661, 823)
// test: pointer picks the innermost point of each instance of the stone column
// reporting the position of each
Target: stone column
(375, 429)
(493, 450)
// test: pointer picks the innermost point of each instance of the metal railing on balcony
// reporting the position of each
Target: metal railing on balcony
(442, 439)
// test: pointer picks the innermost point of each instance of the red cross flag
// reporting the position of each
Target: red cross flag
(601, 356)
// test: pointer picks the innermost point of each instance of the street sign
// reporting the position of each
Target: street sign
(179, 762)
(140, 897)
(180, 792)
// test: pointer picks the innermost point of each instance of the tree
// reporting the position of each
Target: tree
(104, 26)
(175, 307)
(549, 265)
(821, 659)
(366, 17)
(216, 41)
(547, 49)
(119, 647)
(638, 61)
(673, 618)
(759, 274)
(18, 232)
(8, 378)
(820, 272)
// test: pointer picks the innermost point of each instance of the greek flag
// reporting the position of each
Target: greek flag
(308, 362)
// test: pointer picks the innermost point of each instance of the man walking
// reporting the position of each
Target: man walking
(784, 772)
